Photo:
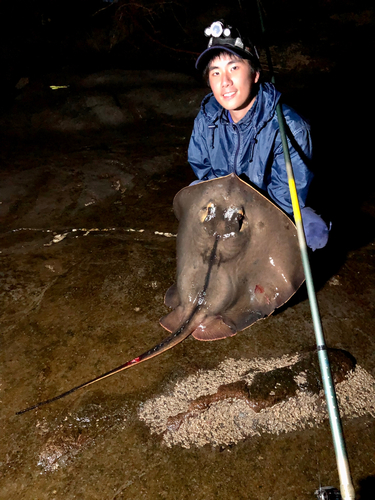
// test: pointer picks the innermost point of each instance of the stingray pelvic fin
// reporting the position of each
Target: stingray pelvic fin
(173, 320)
(214, 329)
(172, 298)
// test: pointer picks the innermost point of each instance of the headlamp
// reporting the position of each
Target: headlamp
(217, 29)
(228, 38)
(221, 33)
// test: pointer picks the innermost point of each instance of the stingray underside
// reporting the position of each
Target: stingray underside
(257, 265)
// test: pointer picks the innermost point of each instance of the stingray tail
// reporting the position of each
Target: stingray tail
(175, 338)
(166, 344)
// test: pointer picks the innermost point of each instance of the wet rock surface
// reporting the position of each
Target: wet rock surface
(87, 253)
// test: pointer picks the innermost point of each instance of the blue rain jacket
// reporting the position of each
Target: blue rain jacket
(253, 147)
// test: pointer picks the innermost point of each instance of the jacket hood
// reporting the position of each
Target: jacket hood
(260, 113)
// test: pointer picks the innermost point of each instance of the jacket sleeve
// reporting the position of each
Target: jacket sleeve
(300, 150)
(198, 156)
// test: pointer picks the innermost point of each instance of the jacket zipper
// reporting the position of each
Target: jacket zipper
(212, 127)
(235, 128)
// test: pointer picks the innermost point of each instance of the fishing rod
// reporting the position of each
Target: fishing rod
(346, 485)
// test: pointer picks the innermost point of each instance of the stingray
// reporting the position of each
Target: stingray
(238, 260)
(257, 264)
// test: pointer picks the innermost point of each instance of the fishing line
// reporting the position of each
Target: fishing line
(346, 486)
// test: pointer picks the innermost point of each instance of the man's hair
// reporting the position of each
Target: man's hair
(253, 63)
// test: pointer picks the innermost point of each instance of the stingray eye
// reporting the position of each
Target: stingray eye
(208, 212)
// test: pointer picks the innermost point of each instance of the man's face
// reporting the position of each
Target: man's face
(232, 83)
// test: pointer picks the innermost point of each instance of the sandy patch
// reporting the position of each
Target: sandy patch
(232, 420)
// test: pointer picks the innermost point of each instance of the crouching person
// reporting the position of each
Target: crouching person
(237, 129)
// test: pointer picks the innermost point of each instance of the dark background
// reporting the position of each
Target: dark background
(38, 36)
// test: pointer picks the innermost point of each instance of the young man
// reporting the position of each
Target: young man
(237, 130)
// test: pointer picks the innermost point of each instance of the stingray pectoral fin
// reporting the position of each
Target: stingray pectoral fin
(174, 320)
(214, 328)
(172, 298)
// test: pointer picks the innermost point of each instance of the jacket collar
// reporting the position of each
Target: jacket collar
(260, 113)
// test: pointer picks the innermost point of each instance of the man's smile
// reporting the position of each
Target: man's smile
(229, 94)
